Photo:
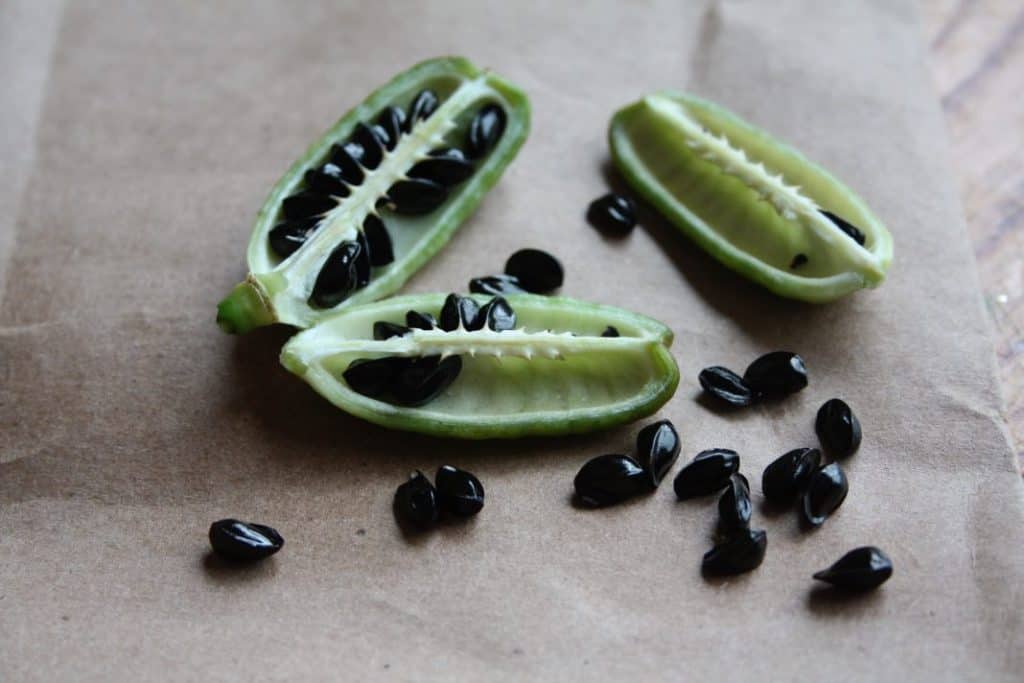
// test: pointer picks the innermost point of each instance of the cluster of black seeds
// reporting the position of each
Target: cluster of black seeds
(457, 493)
(613, 478)
(528, 270)
(773, 375)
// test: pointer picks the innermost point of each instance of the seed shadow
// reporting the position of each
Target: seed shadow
(577, 504)
(828, 602)
(773, 510)
(222, 572)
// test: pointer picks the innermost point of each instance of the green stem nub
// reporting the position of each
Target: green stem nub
(244, 309)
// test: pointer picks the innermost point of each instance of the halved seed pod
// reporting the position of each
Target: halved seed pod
(750, 201)
(553, 374)
(341, 182)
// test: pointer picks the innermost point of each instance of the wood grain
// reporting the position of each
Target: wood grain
(977, 51)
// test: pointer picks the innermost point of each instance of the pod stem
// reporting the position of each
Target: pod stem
(245, 308)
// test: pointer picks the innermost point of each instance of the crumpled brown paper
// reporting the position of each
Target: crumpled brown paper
(130, 422)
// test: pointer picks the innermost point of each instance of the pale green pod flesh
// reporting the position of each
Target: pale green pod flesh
(747, 199)
(278, 290)
(554, 374)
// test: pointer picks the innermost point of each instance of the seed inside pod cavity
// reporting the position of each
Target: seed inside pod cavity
(460, 310)
(306, 204)
(363, 266)
(657, 449)
(485, 130)
(609, 479)
(373, 151)
(286, 238)
(776, 374)
(459, 493)
(861, 569)
(320, 182)
(379, 241)
(497, 315)
(392, 122)
(346, 159)
(612, 213)
(838, 428)
(788, 475)
(338, 276)
(420, 321)
(384, 330)
(423, 105)
(537, 271)
(374, 377)
(734, 507)
(741, 553)
(424, 379)
(855, 233)
(447, 167)
(825, 492)
(726, 385)
(798, 260)
(707, 473)
(610, 331)
(416, 501)
(244, 541)
(496, 284)
(416, 196)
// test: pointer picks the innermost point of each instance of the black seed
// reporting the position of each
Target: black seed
(825, 492)
(657, 449)
(244, 541)
(346, 158)
(373, 151)
(416, 196)
(379, 241)
(612, 213)
(338, 277)
(363, 263)
(425, 379)
(374, 377)
(497, 315)
(776, 374)
(392, 121)
(420, 321)
(734, 507)
(445, 166)
(286, 238)
(610, 479)
(537, 271)
(382, 136)
(741, 553)
(322, 182)
(496, 284)
(726, 385)
(855, 233)
(459, 492)
(610, 331)
(798, 260)
(460, 310)
(384, 330)
(788, 475)
(306, 204)
(485, 130)
(707, 473)
(416, 501)
(423, 105)
(838, 428)
(861, 569)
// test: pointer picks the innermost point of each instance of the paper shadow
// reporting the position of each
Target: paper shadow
(827, 602)
(221, 571)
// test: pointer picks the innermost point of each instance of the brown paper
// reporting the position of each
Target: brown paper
(130, 422)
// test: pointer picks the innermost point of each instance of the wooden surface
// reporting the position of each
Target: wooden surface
(978, 62)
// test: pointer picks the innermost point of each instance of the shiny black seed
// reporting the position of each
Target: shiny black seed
(346, 159)
(776, 374)
(382, 136)
(496, 284)
(788, 475)
(537, 271)
(734, 507)
(373, 150)
(306, 204)
(425, 379)
(363, 264)
(838, 428)
(416, 501)
(423, 105)
(420, 321)
(825, 492)
(798, 260)
(726, 385)
(445, 166)
(286, 238)
(338, 277)
(657, 449)
(707, 473)
(610, 331)
(459, 492)
(460, 310)
(384, 330)
(612, 213)
(741, 553)
(244, 541)
(855, 233)
(610, 479)
(497, 315)
(374, 377)
(379, 241)
(485, 130)
(416, 196)
(861, 569)
(322, 182)
(392, 121)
